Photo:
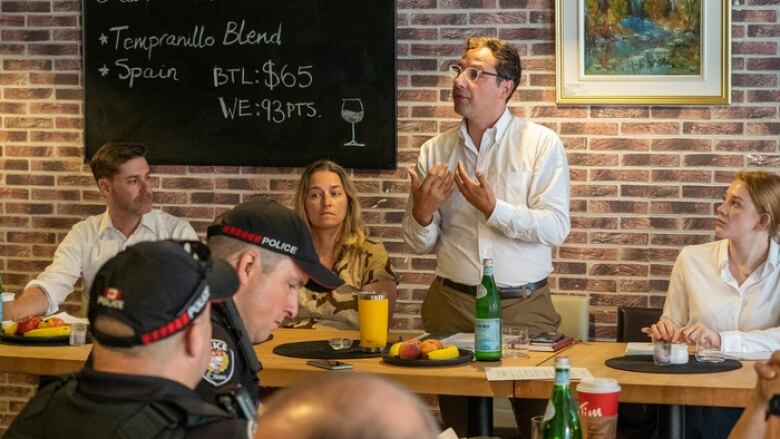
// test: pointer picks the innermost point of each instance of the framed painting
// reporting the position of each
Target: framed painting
(643, 52)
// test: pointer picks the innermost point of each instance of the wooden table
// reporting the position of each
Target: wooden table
(723, 389)
(465, 379)
(729, 389)
(42, 360)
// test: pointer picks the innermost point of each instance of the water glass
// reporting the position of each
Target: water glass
(515, 342)
(537, 427)
(706, 352)
(5, 306)
(78, 334)
(662, 353)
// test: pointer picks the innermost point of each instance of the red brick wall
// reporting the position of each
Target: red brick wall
(645, 179)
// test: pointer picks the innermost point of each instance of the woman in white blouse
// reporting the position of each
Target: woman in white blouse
(728, 291)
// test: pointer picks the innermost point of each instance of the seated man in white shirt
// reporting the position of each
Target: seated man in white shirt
(122, 176)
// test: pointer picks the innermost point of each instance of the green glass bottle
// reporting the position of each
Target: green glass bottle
(561, 420)
(487, 317)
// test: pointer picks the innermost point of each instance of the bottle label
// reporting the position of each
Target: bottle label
(481, 291)
(487, 335)
(549, 412)
(488, 271)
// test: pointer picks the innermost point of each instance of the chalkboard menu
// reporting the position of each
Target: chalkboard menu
(243, 82)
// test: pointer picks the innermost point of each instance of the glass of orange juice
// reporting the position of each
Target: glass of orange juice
(372, 318)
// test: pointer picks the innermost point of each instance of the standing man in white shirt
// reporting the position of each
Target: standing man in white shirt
(123, 179)
(512, 202)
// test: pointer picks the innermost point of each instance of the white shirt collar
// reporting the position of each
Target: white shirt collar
(491, 136)
(772, 259)
(105, 223)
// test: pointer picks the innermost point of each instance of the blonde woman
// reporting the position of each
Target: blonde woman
(728, 291)
(327, 199)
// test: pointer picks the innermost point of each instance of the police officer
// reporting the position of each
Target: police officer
(271, 249)
(149, 314)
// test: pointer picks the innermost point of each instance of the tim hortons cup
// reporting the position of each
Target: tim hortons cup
(598, 407)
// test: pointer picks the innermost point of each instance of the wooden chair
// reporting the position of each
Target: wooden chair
(631, 320)
(637, 420)
(575, 315)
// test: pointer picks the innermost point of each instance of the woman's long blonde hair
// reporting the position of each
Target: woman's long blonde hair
(353, 230)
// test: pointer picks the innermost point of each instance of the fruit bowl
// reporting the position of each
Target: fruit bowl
(340, 343)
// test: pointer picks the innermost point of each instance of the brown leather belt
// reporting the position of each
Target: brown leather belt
(521, 292)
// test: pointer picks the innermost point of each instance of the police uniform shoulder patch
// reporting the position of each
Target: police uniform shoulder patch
(221, 364)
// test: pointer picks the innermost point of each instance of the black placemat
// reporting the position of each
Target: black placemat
(644, 363)
(321, 349)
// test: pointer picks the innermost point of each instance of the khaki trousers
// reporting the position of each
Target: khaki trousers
(447, 311)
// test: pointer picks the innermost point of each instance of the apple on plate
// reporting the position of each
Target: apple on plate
(28, 324)
(409, 350)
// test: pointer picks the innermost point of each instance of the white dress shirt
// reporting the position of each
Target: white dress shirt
(526, 166)
(92, 242)
(702, 290)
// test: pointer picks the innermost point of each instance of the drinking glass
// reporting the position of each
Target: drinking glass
(5, 305)
(514, 342)
(706, 352)
(372, 319)
(78, 334)
(662, 353)
(537, 427)
(352, 112)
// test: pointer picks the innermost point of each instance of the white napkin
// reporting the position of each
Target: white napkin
(463, 340)
(635, 348)
(69, 319)
(532, 373)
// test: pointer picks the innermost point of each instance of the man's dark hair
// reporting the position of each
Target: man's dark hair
(507, 59)
(109, 157)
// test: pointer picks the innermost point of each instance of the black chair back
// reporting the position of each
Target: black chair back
(631, 320)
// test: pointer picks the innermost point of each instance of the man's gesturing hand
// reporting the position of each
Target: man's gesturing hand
(478, 193)
(431, 193)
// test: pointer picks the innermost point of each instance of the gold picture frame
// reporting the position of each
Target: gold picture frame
(638, 56)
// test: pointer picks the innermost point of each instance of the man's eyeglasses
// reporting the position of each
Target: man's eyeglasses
(470, 73)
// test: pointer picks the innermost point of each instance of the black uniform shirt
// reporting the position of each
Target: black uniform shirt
(229, 363)
(106, 405)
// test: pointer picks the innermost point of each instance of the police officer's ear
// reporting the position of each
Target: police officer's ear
(248, 262)
(198, 335)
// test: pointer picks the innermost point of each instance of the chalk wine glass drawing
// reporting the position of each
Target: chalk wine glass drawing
(352, 112)
(643, 52)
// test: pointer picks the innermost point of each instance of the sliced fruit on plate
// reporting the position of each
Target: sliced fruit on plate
(56, 331)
